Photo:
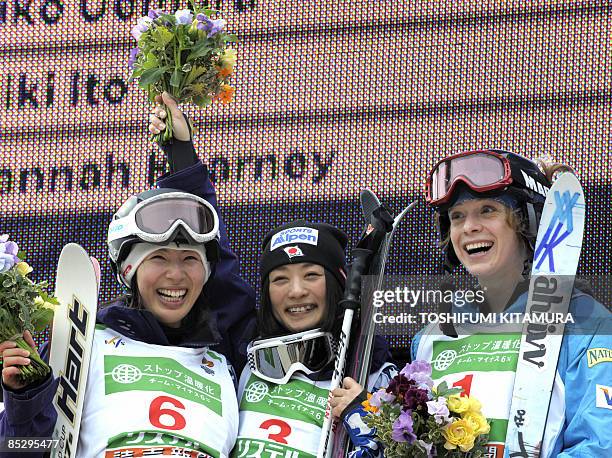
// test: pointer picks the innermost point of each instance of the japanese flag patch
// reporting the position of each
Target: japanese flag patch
(293, 251)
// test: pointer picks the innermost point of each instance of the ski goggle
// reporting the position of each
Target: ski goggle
(276, 359)
(481, 170)
(156, 219)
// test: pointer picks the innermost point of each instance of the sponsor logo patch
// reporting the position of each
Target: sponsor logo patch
(207, 366)
(603, 396)
(115, 341)
(598, 355)
(534, 185)
(295, 235)
(293, 251)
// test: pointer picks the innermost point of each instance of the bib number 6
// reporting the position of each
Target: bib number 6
(166, 418)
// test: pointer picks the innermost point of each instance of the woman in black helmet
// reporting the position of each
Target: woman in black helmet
(284, 390)
(488, 205)
(154, 383)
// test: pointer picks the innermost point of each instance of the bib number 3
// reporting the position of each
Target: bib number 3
(282, 427)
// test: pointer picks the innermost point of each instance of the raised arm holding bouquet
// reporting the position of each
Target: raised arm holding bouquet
(184, 54)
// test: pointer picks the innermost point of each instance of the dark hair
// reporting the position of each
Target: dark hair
(269, 326)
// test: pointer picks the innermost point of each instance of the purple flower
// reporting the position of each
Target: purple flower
(8, 253)
(184, 17)
(402, 428)
(154, 14)
(399, 385)
(132, 59)
(415, 397)
(381, 396)
(420, 372)
(141, 27)
(217, 26)
(427, 446)
(439, 410)
(211, 26)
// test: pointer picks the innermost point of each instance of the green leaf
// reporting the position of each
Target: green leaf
(41, 318)
(201, 48)
(194, 73)
(150, 62)
(162, 36)
(175, 80)
(151, 76)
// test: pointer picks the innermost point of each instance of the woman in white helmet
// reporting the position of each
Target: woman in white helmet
(171, 326)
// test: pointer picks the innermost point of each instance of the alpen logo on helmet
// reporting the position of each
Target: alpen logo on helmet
(295, 235)
(534, 185)
(293, 251)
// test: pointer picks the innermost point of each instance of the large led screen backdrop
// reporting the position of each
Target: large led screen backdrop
(332, 96)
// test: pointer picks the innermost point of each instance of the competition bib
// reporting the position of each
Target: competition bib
(280, 420)
(151, 400)
(483, 365)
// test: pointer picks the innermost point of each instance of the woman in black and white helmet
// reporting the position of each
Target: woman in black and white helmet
(154, 383)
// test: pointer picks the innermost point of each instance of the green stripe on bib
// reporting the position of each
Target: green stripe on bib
(477, 353)
(266, 449)
(296, 400)
(132, 373)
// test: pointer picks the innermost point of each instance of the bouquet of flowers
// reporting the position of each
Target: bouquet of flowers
(414, 419)
(185, 54)
(24, 305)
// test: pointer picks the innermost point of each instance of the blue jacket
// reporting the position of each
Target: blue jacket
(586, 431)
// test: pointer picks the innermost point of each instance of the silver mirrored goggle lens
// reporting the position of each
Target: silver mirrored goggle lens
(276, 362)
(159, 216)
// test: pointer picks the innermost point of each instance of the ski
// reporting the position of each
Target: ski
(362, 354)
(351, 303)
(556, 256)
(377, 238)
(72, 338)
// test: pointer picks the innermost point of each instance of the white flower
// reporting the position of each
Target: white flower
(184, 17)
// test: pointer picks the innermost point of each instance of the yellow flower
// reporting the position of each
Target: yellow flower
(474, 405)
(366, 405)
(23, 268)
(228, 58)
(458, 434)
(477, 422)
(41, 303)
(227, 93)
(458, 404)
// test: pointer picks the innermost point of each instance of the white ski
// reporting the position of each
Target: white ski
(71, 342)
(555, 262)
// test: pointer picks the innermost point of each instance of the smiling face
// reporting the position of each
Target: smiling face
(169, 282)
(485, 243)
(298, 295)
